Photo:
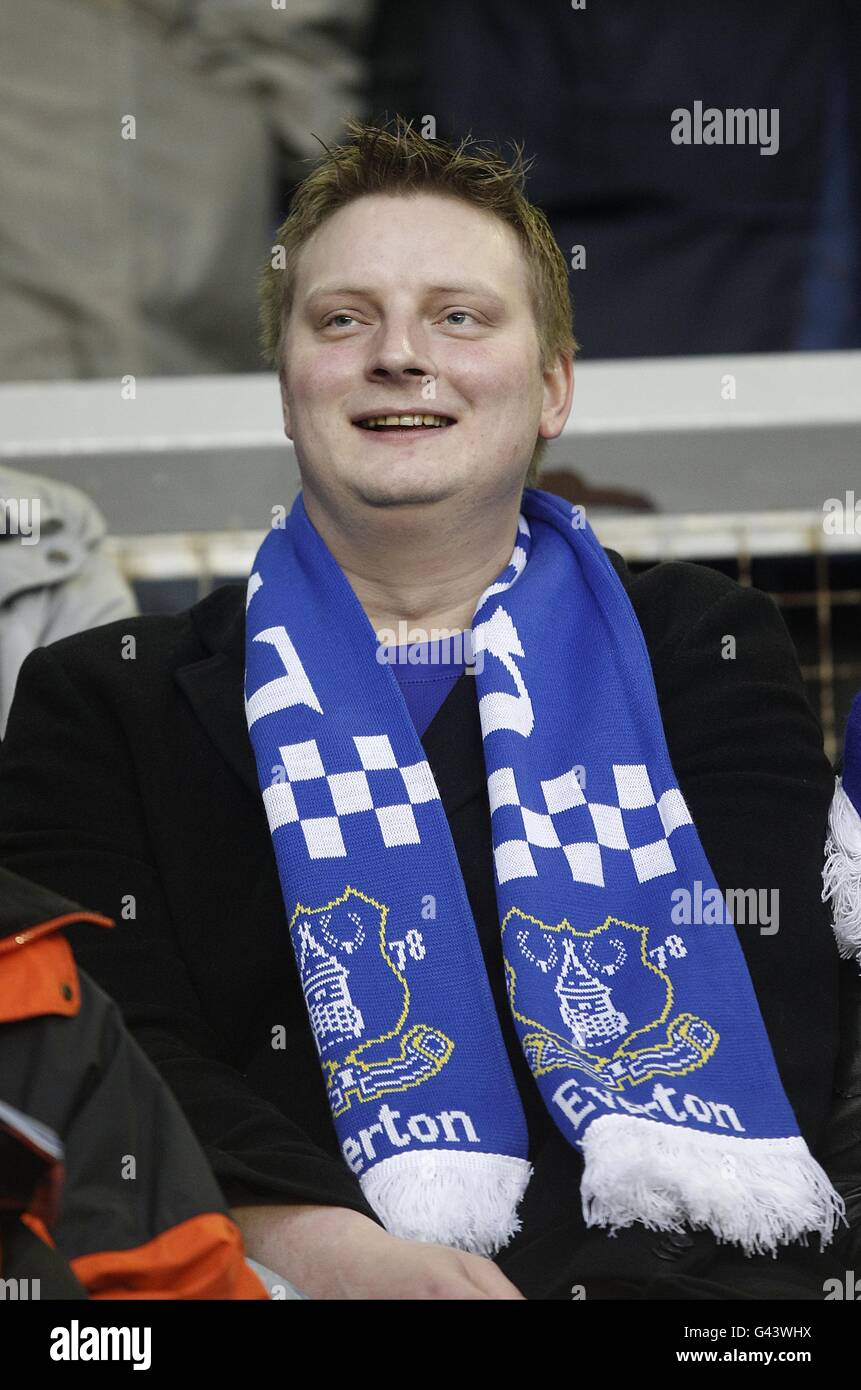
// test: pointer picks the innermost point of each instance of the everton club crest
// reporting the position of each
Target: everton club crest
(358, 1002)
(596, 1000)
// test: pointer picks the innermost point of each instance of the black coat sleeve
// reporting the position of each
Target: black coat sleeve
(747, 750)
(71, 819)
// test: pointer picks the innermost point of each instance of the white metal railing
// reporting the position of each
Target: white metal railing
(753, 433)
(653, 536)
(743, 538)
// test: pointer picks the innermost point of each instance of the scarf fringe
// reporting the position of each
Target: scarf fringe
(841, 875)
(465, 1200)
(756, 1193)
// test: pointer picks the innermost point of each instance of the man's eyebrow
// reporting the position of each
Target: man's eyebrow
(321, 291)
(477, 287)
(367, 291)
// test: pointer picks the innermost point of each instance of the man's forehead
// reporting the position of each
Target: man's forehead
(480, 264)
(467, 286)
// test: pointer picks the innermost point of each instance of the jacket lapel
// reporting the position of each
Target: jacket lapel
(215, 685)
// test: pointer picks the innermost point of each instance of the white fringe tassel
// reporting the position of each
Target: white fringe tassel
(756, 1193)
(841, 876)
(466, 1200)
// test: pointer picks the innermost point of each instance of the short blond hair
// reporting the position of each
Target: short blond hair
(395, 158)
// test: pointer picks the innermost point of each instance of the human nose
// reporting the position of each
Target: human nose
(400, 348)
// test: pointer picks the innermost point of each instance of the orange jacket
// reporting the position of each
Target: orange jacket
(126, 1197)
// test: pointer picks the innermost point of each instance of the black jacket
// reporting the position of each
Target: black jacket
(127, 783)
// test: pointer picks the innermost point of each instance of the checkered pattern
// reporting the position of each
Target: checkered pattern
(583, 829)
(380, 786)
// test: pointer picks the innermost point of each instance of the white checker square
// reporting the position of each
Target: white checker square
(514, 860)
(302, 761)
(609, 826)
(398, 825)
(539, 829)
(561, 793)
(651, 861)
(375, 751)
(350, 792)
(323, 837)
(419, 782)
(633, 787)
(280, 805)
(502, 788)
(673, 811)
(584, 861)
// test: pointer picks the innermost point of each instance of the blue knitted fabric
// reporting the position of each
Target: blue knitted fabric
(852, 755)
(643, 1034)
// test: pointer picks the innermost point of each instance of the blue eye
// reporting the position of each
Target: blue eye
(331, 320)
(462, 313)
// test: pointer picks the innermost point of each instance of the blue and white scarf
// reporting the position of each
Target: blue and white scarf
(643, 1036)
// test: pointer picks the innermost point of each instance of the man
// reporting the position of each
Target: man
(417, 282)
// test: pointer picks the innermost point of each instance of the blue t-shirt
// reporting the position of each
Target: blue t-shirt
(426, 680)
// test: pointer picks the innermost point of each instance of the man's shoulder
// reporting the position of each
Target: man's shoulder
(165, 640)
(673, 597)
(682, 580)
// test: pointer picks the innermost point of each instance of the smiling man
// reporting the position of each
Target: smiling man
(436, 320)
(398, 934)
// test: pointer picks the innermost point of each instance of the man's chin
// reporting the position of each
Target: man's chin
(405, 492)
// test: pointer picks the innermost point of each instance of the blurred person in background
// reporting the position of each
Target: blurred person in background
(145, 147)
(672, 248)
(56, 576)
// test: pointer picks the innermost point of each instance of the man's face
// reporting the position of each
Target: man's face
(414, 305)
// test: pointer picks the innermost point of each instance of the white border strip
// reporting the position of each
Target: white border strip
(638, 538)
